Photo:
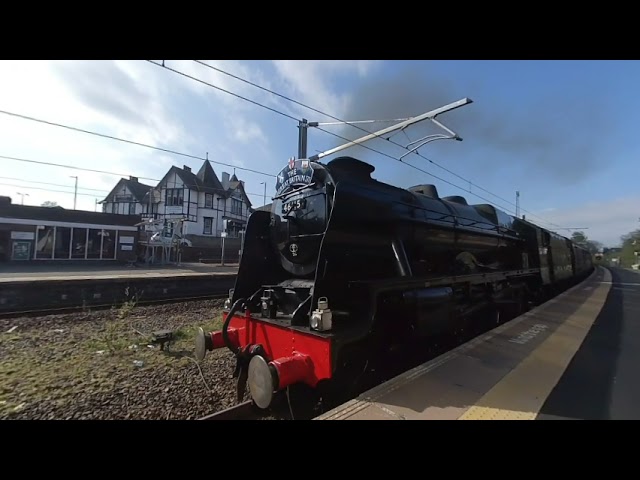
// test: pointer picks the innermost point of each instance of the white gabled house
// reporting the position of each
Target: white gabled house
(206, 202)
(126, 198)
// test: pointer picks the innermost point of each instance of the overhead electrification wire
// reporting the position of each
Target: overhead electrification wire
(321, 129)
(111, 137)
(368, 132)
(39, 162)
(350, 141)
(54, 184)
(18, 159)
(47, 189)
(223, 90)
(292, 100)
(244, 168)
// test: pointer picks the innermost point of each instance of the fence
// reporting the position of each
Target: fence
(210, 254)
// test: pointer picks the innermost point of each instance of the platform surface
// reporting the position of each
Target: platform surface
(601, 382)
(574, 357)
(42, 271)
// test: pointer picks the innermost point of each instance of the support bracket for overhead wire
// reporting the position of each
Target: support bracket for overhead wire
(401, 126)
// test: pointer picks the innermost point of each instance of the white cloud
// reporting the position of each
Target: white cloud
(605, 221)
(312, 79)
(145, 103)
(246, 131)
(95, 96)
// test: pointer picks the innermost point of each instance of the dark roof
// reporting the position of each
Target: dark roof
(137, 189)
(190, 180)
(206, 181)
(208, 177)
(59, 214)
(244, 194)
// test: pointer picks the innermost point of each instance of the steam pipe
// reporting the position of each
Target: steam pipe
(225, 334)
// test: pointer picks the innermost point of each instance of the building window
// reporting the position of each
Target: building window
(234, 229)
(208, 200)
(208, 225)
(79, 243)
(94, 243)
(44, 242)
(132, 209)
(62, 243)
(114, 208)
(236, 207)
(75, 243)
(108, 244)
(175, 197)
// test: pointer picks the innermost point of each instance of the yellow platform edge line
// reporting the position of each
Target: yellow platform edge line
(522, 392)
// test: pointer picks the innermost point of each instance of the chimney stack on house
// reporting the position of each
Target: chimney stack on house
(186, 169)
(132, 178)
(225, 180)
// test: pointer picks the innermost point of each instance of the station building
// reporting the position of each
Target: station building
(29, 233)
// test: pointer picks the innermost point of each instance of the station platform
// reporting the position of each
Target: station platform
(38, 288)
(34, 272)
(574, 357)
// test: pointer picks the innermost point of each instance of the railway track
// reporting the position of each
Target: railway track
(19, 312)
(243, 411)
(249, 411)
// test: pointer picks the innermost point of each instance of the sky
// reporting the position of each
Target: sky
(562, 133)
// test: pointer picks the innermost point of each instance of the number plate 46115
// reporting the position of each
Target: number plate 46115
(294, 205)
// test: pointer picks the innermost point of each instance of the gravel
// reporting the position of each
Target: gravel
(102, 365)
(98, 365)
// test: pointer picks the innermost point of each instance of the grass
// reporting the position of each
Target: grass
(52, 366)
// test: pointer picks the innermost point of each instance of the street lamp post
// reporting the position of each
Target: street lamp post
(264, 197)
(75, 192)
(22, 195)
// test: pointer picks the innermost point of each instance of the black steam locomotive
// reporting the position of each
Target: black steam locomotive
(345, 268)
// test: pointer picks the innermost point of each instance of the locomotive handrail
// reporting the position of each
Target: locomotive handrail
(297, 190)
(430, 281)
(490, 226)
(456, 218)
